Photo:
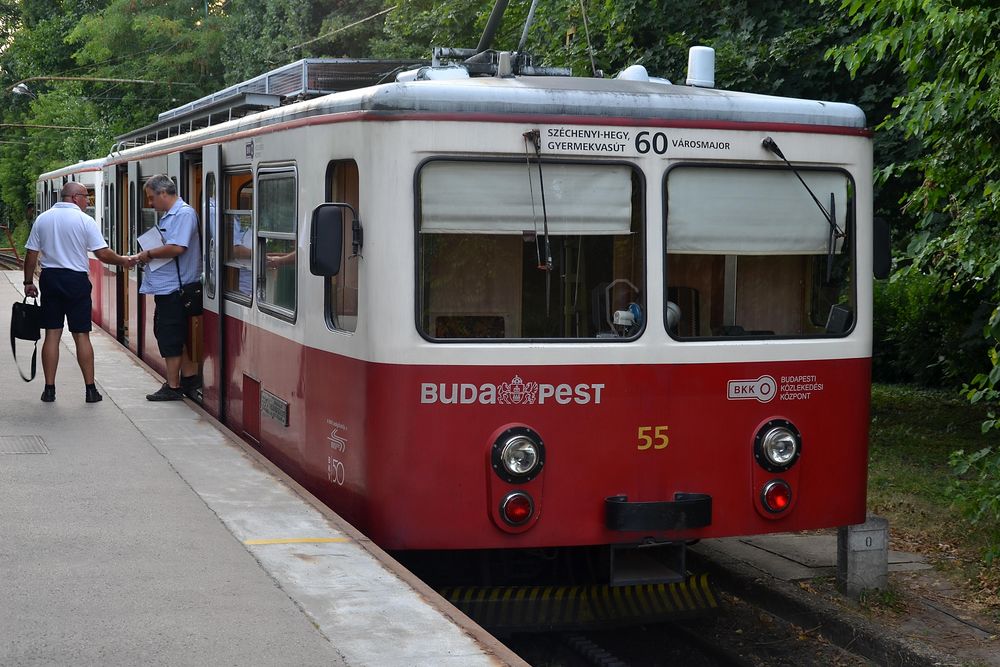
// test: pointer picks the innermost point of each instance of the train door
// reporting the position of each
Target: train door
(213, 391)
(109, 272)
(123, 246)
(146, 220)
(190, 188)
(133, 330)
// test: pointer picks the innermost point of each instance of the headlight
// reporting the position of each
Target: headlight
(518, 455)
(777, 446)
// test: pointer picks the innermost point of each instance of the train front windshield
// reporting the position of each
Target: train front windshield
(754, 252)
(508, 251)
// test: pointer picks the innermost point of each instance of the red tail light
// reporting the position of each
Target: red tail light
(776, 496)
(517, 508)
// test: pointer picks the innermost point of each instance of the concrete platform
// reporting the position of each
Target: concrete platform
(141, 533)
(792, 576)
(797, 556)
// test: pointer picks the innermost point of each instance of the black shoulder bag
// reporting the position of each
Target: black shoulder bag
(26, 324)
(191, 294)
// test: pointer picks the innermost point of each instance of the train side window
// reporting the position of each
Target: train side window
(133, 232)
(106, 217)
(342, 185)
(91, 210)
(211, 217)
(112, 214)
(276, 242)
(148, 216)
(749, 253)
(237, 238)
(488, 269)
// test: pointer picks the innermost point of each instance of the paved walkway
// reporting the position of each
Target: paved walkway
(139, 533)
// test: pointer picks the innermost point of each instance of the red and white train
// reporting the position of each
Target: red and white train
(497, 311)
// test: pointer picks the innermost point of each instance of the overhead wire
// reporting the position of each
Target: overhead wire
(586, 31)
(334, 32)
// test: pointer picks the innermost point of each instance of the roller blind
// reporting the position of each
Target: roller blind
(505, 198)
(751, 211)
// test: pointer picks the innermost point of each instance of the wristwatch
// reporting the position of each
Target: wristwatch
(29, 282)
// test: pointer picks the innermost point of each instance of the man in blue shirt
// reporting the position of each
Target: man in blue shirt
(181, 243)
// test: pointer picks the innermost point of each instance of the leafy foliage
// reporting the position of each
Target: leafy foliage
(925, 332)
(948, 55)
(977, 493)
(947, 52)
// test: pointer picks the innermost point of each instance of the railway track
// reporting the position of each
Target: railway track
(736, 635)
(9, 261)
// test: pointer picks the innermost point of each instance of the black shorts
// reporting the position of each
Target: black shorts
(65, 297)
(169, 324)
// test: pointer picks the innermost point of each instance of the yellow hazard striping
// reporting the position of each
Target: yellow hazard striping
(551, 606)
(297, 540)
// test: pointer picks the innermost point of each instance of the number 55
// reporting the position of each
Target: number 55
(659, 434)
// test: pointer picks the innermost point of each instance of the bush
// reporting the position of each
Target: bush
(977, 493)
(927, 333)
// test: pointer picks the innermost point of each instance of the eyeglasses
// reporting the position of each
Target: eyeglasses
(82, 194)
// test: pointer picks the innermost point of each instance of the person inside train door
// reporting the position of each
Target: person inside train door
(181, 242)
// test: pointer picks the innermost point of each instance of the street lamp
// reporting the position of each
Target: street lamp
(21, 89)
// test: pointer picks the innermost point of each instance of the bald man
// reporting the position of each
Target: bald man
(62, 236)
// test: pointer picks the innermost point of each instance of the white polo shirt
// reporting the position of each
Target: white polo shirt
(62, 236)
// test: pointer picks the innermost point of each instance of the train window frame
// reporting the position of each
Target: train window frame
(106, 214)
(145, 209)
(281, 265)
(342, 293)
(91, 208)
(210, 216)
(617, 290)
(112, 213)
(811, 275)
(238, 211)
(133, 219)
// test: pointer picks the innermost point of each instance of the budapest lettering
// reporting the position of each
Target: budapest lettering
(515, 392)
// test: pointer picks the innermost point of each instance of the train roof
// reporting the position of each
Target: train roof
(578, 96)
(533, 97)
(75, 168)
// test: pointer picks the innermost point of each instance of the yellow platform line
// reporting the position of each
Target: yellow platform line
(297, 540)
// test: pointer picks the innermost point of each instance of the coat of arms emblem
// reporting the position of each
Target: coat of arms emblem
(517, 392)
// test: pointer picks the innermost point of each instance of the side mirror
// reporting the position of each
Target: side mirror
(326, 239)
(882, 249)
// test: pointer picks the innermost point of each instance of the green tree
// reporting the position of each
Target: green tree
(260, 35)
(167, 42)
(947, 52)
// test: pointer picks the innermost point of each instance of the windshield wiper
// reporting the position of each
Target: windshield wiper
(535, 137)
(830, 216)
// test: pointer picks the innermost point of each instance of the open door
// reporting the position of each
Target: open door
(213, 388)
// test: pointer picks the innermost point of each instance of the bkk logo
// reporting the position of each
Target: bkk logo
(515, 392)
(762, 389)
